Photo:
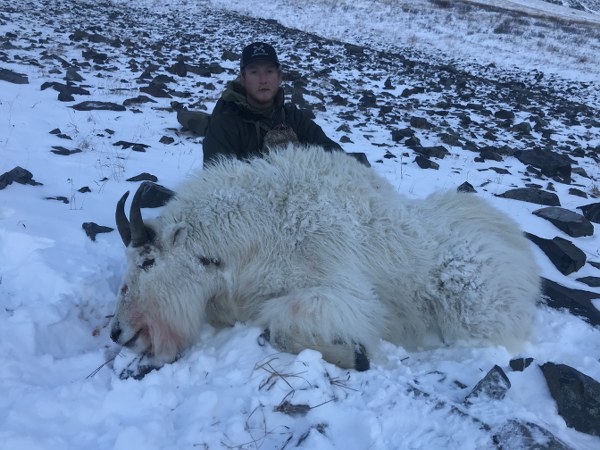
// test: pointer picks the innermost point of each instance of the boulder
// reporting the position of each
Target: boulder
(565, 256)
(575, 225)
(577, 397)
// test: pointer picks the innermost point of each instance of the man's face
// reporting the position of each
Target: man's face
(261, 80)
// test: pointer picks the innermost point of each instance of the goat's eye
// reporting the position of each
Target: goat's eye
(147, 264)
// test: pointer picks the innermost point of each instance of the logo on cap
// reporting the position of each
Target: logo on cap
(259, 50)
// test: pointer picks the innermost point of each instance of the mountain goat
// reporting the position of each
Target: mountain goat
(322, 253)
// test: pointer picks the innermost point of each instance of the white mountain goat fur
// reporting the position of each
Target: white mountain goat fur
(322, 253)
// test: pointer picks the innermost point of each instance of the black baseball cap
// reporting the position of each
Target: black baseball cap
(258, 51)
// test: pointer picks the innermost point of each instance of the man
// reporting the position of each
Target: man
(251, 117)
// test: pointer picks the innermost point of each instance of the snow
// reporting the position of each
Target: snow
(58, 288)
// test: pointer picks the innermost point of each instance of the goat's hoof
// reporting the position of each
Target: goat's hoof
(361, 361)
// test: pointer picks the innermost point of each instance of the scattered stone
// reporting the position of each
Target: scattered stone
(517, 434)
(92, 229)
(493, 386)
(532, 195)
(73, 75)
(136, 147)
(98, 106)
(59, 198)
(550, 163)
(140, 99)
(399, 135)
(84, 190)
(504, 114)
(591, 212)
(578, 192)
(425, 163)
(195, 121)
(576, 301)
(565, 256)
(155, 91)
(466, 187)
(590, 281)
(17, 175)
(420, 122)
(153, 195)
(577, 397)
(59, 150)
(144, 176)
(437, 151)
(520, 364)
(575, 225)
(13, 77)
(166, 140)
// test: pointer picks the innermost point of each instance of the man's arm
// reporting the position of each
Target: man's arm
(307, 130)
(220, 139)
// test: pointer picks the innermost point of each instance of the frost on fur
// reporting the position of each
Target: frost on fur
(322, 253)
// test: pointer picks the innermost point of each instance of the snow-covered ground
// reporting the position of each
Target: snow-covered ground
(58, 288)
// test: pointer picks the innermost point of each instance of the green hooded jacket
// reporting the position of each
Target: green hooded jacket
(238, 130)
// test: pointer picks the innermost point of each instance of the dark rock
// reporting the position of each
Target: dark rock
(136, 147)
(84, 190)
(361, 158)
(565, 256)
(522, 128)
(92, 229)
(13, 77)
(98, 106)
(500, 170)
(413, 142)
(425, 163)
(550, 163)
(65, 89)
(73, 75)
(493, 386)
(195, 121)
(590, 281)
(577, 397)
(532, 195)
(155, 90)
(504, 114)
(576, 301)
(489, 154)
(144, 176)
(389, 155)
(516, 434)
(575, 225)
(466, 187)
(166, 140)
(420, 122)
(450, 139)
(578, 192)
(520, 364)
(368, 99)
(437, 151)
(59, 150)
(138, 100)
(17, 175)
(591, 212)
(153, 195)
(59, 198)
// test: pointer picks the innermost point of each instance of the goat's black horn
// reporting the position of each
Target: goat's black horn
(139, 234)
(122, 222)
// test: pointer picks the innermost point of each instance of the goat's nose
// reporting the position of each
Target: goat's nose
(115, 333)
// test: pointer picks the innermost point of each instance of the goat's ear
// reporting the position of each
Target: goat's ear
(176, 234)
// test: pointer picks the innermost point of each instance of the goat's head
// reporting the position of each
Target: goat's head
(164, 291)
